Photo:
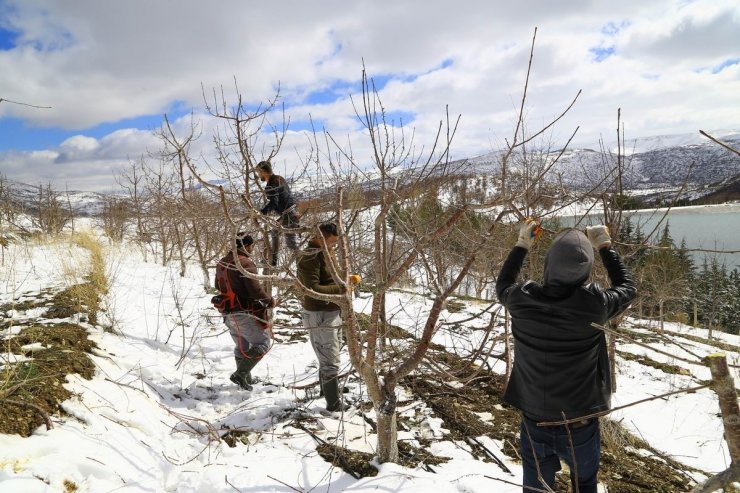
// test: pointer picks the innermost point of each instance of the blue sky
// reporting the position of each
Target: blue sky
(7, 39)
(109, 71)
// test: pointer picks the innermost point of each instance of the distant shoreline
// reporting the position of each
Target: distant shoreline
(579, 210)
(726, 207)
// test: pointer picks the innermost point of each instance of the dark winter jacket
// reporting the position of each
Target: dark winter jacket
(279, 198)
(561, 362)
(249, 292)
(314, 274)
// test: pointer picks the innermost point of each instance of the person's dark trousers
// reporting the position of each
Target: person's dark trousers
(544, 446)
(288, 220)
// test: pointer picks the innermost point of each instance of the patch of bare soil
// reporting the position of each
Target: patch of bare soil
(32, 388)
(79, 298)
(358, 464)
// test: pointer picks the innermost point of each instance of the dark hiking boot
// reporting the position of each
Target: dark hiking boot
(242, 376)
(343, 390)
(240, 381)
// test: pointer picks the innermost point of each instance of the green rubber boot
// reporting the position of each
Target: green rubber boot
(330, 387)
(243, 376)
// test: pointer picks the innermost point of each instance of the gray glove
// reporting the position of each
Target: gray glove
(527, 233)
(599, 236)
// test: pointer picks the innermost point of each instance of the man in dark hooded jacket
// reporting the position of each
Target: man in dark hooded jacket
(280, 201)
(561, 364)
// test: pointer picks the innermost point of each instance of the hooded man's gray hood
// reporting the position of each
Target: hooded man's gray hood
(569, 259)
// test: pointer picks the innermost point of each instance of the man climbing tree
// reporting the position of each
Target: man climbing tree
(280, 201)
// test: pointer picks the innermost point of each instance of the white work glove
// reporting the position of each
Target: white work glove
(528, 232)
(599, 236)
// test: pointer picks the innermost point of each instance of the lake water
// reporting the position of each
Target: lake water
(711, 227)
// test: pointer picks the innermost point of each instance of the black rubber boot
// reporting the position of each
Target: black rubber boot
(242, 376)
(330, 387)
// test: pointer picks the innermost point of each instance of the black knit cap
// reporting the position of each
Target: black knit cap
(265, 166)
(329, 229)
(569, 259)
(243, 239)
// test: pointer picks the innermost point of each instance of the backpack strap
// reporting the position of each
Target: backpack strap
(223, 283)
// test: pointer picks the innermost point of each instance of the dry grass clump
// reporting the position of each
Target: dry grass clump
(84, 297)
(32, 389)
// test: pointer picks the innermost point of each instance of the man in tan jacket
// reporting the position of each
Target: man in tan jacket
(323, 319)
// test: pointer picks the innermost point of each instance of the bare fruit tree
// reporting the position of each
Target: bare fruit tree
(422, 240)
(114, 217)
(51, 212)
(384, 193)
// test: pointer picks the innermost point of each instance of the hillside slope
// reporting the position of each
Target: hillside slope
(160, 414)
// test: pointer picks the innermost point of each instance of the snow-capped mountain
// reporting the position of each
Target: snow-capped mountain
(653, 163)
(650, 166)
(81, 202)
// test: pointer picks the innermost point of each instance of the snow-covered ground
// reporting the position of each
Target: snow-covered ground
(150, 418)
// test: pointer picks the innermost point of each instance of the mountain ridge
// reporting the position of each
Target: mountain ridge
(653, 166)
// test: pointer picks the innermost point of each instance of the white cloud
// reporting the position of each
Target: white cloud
(97, 62)
(690, 35)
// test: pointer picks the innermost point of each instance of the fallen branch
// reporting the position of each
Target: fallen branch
(491, 455)
(529, 488)
(604, 413)
(285, 484)
(622, 334)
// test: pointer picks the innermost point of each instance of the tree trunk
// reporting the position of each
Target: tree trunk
(181, 251)
(383, 329)
(724, 386)
(660, 315)
(387, 433)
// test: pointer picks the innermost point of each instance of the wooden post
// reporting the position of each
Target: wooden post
(724, 386)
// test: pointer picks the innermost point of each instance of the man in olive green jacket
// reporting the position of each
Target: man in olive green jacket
(321, 318)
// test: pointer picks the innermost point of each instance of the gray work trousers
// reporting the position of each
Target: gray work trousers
(248, 334)
(324, 333)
